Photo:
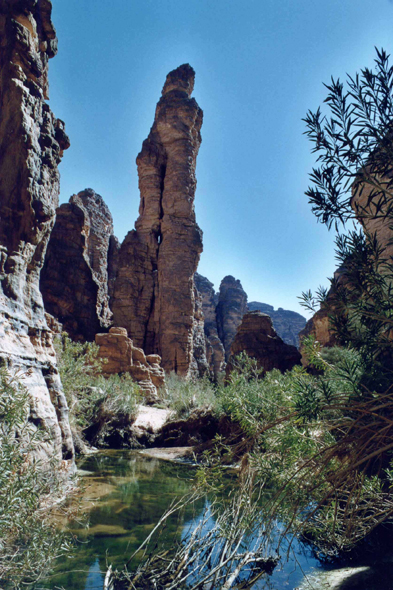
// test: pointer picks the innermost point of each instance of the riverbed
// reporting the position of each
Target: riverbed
(124, 496)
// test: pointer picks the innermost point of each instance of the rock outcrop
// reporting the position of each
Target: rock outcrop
(122, 356)
(231, 307)
(74, 280)
(153, 295)
(215, 351)
(32, 141)
(287, 323)
(256, 337)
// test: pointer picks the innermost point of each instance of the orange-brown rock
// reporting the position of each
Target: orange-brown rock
(257, 338)
(214, 348)
(231, 307)
(122, 356)
(32, 141)
(154, 295)
(74, 279)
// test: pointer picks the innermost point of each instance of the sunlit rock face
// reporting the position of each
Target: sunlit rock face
(74, 280)
(32, 141)
(257, 338)
(154, 296)
(231, 307)
(121, 356)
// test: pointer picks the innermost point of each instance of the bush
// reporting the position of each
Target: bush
(28, 543)
(183, 396)
(95, 401)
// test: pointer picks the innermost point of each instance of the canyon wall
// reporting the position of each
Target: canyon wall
(74, 279)
(231, 307)
(32, 141)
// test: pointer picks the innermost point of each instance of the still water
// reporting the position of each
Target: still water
(124, 497)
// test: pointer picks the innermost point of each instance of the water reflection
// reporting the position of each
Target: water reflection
(125, 496)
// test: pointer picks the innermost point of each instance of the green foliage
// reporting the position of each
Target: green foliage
(353, 143)
(92, 398)
(183, 396)
(28, 543)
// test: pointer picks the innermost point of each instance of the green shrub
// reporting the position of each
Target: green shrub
(28, 543)
(183, 396)
(97, 404)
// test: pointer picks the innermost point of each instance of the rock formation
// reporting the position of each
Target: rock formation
(214, 348)
(32, 141)
(74, 280)
(231, 307)
(287, 323)
(122, 356)
(153, 295)
(256, 337)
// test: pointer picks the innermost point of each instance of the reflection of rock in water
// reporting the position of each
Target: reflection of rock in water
(379, 577)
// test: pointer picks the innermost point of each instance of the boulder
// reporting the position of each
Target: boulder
(121, 356)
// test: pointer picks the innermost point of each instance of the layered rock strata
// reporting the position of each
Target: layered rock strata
(153, 296)
(122, 356)
(215, 351)
(257, 338)
(32, 141)
(288, 324)
(74, 280)
(231, 307)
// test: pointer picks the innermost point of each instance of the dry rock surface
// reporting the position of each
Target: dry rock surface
(215, 351)
(74, 279)
(256, 337)
(154, 297)
(32, 141)
(231, 307)
(288, 324)
(122, 356)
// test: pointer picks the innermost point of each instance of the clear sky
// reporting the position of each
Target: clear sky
(260, 65)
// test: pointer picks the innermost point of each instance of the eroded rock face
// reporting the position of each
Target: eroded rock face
(123, 357)
(287, 323)
(215, 351)
(154, 296)
(256, 337)
(231, 307)
(74, 280)
(32, 141)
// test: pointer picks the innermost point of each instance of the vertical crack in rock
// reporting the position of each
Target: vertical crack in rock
(154, 296)
(32, 141)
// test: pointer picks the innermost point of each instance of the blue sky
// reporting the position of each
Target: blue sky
(260, 65)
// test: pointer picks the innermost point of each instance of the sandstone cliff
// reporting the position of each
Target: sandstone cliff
(74, 279)
(32, 141)
(286, 323)
(153, 295)
(214, 347)
(231, 307)
(256, 337)
(122, 356)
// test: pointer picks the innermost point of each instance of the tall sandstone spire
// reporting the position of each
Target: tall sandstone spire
(154, 295)
(32, 141)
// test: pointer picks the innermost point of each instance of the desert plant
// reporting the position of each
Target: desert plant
(183, 396)
(29, 544)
